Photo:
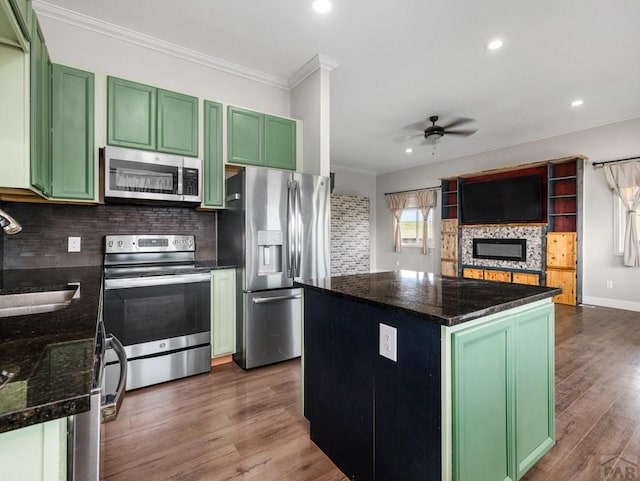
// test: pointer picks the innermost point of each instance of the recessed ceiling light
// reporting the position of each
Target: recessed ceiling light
(577, 103)
(322, 6)
(495, 44)
(409, 150)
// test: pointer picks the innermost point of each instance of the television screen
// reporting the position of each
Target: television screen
(516, 199)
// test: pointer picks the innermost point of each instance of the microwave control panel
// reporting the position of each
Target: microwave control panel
(190, 182)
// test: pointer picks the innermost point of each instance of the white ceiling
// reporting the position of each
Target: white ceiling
(402, 61)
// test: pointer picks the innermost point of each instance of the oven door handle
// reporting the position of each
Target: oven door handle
(113, 401)
(156, 281)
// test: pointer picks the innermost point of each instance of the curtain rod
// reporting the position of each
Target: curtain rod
(414, 190)
(600, 164)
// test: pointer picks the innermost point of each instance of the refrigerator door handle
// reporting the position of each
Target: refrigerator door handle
(298, 231)
(291, 228)
(266, 300)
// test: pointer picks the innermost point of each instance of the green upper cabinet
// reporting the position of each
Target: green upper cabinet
(148, 118)
(177, 123)
(40, 112)
(212, 164)
(279, 142)
(245, 141)
(72, 141)
(254, 138)
(15, 23)
(503, 395)
(131, 114)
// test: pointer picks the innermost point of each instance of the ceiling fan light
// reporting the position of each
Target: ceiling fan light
(495, 44)
(409, 150)
(322, 6)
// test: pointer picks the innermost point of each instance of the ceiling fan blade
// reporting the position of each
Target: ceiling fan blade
(403, 138)
(456, 122)
(416, 126)
(464, 133)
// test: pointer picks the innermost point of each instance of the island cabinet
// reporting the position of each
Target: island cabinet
(469, 395)
(149, 118)
(255, 138)
(35, 453)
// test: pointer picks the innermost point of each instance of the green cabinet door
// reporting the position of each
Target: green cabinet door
(131, 114)
(22, 10)
(534, 371)
(245, 142)
(35, 453)
(483, 403)
(279, 142)
(177, 123)
(223, 312)
(72, 127)
(40, 112)
(213, 168)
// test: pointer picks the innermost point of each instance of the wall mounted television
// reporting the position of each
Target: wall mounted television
(514, 199)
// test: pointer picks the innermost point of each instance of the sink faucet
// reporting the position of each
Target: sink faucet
(8, 223)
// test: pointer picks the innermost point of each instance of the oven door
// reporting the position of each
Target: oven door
(143, 310)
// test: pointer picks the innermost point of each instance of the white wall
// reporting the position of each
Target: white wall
(601, 143)
(356, 182)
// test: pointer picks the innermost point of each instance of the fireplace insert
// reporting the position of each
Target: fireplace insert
(500, 249)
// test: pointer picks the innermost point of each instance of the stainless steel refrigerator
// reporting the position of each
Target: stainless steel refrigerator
(275, 229)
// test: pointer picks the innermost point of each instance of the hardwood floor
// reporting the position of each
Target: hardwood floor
(246, 425)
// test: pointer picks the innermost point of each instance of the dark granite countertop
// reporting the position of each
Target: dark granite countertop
(51, 353)
(445, 300)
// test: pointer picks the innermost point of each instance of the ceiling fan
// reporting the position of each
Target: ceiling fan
(434, 132)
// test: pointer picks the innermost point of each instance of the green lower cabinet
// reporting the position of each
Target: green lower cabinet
(35, 453)
(503, 396)
(177, 123)
(223, 312)
(213, 163)
(72, 137)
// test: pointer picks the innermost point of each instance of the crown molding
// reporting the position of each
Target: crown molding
(316, 62)
(79, 20)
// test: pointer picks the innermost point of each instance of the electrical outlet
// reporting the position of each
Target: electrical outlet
(609, 284)
(389, 342)
(74, 244)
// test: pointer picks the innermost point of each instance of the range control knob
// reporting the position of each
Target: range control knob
(120, 243)
(110, 243)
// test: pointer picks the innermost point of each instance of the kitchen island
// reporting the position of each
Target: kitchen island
(411, 376)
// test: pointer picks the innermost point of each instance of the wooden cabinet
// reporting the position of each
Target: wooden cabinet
(35, 453)
(254, 138)
(503, 425)
(561, 265)
(72, 134)
(525, 278)
(497, 276)
(471, 273)
(449, 247)
(223, 312)
(212, 164)
(145, 117)
(40, 112)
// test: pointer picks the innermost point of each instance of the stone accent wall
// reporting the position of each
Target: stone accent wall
(533, 234)
(45, 228)
(349, 234)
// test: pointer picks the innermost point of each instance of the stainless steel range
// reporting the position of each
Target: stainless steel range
(157, 301)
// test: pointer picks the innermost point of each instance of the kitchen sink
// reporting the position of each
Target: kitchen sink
(37, 302)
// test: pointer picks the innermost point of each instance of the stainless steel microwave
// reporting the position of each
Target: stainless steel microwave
(137, 174)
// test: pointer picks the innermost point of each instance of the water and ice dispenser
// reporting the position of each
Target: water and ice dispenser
(269, 252)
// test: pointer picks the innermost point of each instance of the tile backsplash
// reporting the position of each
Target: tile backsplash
(349, 234)
(45, 228)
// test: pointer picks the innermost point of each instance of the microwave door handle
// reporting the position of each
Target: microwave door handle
(180, 172)
(113, 401)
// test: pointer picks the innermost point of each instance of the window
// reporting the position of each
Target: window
(620, 224)
(411, 227)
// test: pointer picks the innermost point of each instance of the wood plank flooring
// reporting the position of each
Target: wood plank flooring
(246, 425)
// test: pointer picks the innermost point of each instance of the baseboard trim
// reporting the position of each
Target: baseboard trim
(217, 361)
(614, 303)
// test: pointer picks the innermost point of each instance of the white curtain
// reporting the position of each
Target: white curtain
(397, 203)
(625, 180)
(426, 200)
